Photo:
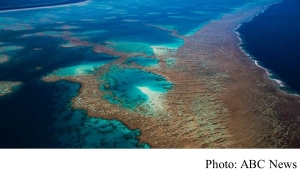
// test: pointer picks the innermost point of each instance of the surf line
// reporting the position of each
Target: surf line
(81, 3)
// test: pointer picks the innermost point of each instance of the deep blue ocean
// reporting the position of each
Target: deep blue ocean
(273, 38)
(18, 4)
(39, 114)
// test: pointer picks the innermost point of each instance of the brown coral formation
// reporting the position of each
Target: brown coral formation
(7, 87)
(220, 98)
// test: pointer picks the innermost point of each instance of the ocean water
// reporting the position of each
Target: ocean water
(59, 40)
(272, 38)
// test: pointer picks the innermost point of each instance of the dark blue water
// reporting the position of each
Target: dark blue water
(273, 38)
(19, 4)
(39, 114)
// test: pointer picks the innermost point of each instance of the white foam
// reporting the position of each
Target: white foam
(279, 82)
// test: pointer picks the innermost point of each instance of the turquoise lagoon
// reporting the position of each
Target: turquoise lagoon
(131, 87)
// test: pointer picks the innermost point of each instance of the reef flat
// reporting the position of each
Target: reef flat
(7, 87)
(219, 97)
(257, 113)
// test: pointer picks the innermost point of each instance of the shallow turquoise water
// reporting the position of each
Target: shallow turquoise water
(85, 65)
(123, 86)
(81, 69)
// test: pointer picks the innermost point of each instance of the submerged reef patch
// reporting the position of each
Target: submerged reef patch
(4, 58)
(77, 70)
(86, 65)
(10, 48)
(13, 24)
(80, 131)
(7, 87)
